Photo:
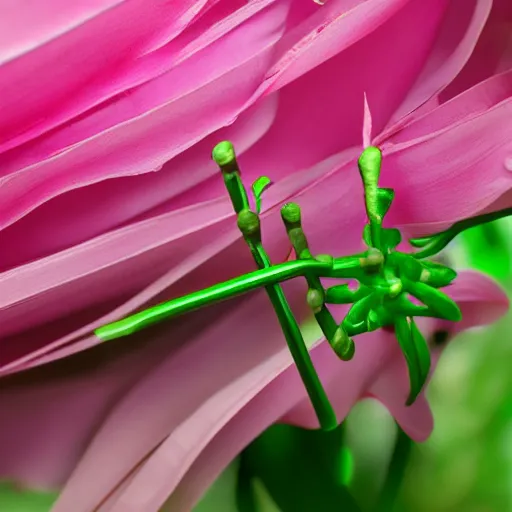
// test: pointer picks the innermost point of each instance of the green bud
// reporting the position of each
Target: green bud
(369, 166)
(315, 299)
(249, 224)
(223, 153)
(290, 213)
(342, 345)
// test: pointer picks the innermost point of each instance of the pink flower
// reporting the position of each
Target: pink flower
(110, 203)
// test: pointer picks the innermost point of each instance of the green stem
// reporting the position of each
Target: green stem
(211, 295)
(396, 472)
(296, 345)
(435, 243)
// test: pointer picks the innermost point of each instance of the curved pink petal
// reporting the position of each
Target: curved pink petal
(463, 21)
(158, 254)
(197, 104)
(95, 209)
(42, 95)
(451, 173)
(492, 53)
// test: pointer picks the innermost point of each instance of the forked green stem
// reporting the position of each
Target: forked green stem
(435, 243)
(249, 225)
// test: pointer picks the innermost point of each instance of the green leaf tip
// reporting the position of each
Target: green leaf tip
(223, 153)
(258, 187)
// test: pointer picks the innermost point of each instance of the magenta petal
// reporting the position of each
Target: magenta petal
(451, 173)
(462, 23)
(34, 37)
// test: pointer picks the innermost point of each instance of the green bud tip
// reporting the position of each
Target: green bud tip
(315, 299)
(342, 345)
(248, 222)
(369, 164)
(223, 153)
(395, 288)
(290, 213)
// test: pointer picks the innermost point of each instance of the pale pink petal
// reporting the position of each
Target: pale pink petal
(492, 54)
(367, 124)
(463, 21)
(449, 174)
(243, 361)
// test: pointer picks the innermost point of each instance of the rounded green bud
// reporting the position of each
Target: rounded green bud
(315, 299)
(342, 345)
(223, 153)
(369, 165)
(290, 213)
(249, 223)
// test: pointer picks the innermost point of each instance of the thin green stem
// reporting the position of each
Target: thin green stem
(396, 473)
(435, 243)
(298, 350)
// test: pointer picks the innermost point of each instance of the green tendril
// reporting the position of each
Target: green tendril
(213, 294)
(433, 244)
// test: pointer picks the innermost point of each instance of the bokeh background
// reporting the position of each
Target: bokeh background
(465, 466)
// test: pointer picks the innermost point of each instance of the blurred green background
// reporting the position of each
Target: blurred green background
(465, 466)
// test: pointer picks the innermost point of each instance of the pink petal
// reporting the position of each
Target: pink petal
(463, 21)
(191, 110)
(492, 54)
(94, 209)
(247, 360)
(156, 254)
(451, 173)
(42, 95)
(367, 124)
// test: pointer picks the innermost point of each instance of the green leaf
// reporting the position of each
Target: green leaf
(405, 339)
(17, 500)
(302, 470)
(436, 300)
(437, 275)
(367, 237)
(422, 352)
(258, 188)
(391, 237)
(385, 197)
(488, 248)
